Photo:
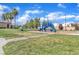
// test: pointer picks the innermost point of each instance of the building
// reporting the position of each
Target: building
(68, 26)
(5, 24)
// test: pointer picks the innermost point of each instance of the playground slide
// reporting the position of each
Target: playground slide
(53, 28)
(43, 28)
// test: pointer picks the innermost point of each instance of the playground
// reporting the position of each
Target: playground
(45, 25)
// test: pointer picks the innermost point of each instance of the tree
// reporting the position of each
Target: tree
(14, 13)
(7, 16)
(33, 23)
(60, 27)
(29, 24)
(37, 22)
(10, 15)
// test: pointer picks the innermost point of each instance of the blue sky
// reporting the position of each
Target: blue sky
(55, 12)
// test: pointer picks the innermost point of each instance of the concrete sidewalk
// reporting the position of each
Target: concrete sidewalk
(2, 43)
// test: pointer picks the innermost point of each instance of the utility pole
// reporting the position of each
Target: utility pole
(65, 21)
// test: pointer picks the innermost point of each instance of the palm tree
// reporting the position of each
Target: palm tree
(14, 13)
(10, 15)
(7, 16)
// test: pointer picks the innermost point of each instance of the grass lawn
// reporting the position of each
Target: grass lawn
(14, 33)
(9, 33)
(51, 44)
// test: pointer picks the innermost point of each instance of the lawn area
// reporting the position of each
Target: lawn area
(14, 33)
(49, 45)
(9, 33)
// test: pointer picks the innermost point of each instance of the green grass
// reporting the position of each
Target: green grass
(14, 33)
(10, 33)
(49, 45)
(7, 33)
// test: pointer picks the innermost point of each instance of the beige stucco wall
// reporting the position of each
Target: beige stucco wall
(4, 25)
(69, 28)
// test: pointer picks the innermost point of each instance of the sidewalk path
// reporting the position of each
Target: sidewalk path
(3, 41)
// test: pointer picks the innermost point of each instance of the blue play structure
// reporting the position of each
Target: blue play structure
(48, 24)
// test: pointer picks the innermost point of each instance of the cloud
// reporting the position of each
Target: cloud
(2, 7)
(54, 15)
(34, 11)
(51, 16)
(61, 5)
(43, 18)
(70, 16)
(59, 17)
(67, 16)
(77, 17)
(23, 19)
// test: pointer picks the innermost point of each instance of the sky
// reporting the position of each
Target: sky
(55, 12)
